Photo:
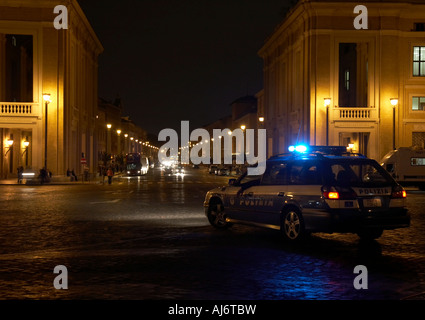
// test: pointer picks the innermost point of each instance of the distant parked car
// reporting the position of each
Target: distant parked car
(178, 170)
(222, 171)
(212, 169)
(31, 176)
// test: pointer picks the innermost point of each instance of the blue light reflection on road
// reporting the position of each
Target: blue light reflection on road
(307, 277)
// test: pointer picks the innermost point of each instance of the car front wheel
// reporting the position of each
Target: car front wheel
(292, 225)
(217, 216)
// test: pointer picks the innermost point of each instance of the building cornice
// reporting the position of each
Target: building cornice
(74, 11)
(308, 10)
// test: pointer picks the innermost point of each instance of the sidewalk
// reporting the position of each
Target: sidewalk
(56, 180)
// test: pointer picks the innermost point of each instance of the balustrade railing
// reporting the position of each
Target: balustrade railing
(353, 113)
(18, 108)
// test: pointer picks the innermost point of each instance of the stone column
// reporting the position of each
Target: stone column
(2, 66)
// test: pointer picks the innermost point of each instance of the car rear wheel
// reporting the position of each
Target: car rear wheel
(292, 225)
(217, 216)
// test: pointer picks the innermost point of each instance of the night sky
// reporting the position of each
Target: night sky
(181, 59)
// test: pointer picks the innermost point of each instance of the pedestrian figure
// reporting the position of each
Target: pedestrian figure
(110, 173)
(43, 175)
(86, 173)
(20, 174)
(74, 175)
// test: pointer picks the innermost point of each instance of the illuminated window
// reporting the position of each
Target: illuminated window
(418, 103)
(347, 80)
(419, 61)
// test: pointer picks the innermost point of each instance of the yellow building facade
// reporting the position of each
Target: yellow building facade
(328, 81)
(36, 59)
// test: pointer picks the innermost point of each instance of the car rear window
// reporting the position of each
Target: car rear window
(357, 174)
(302, 172)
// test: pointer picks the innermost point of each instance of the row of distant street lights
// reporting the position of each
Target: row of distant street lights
(47, 100)
(118, 131)
(243, 127)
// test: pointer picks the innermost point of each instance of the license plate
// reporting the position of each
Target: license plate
(372, 203)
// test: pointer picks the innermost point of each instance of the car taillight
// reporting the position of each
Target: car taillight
(398, 192)
(337, 193)
(331, 195)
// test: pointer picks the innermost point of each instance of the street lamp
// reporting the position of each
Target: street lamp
(9, 143)
(131, 144)
(119, 141)
(26, 144)
(243, 127)
(125, 142)
(108, 148)
(394, 103)
(261, 119)
(327, 103)
(47, 100)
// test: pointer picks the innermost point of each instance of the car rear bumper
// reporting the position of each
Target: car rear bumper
(355, 220)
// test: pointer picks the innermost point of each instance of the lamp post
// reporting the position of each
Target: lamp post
(327, 102)
(9, 143)
(26, 144)
(394, 103)
(119, 141)
(47, 100)
(243, 127)
(125, 142)
(108, 140)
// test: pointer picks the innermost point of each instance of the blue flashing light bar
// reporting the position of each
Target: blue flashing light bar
(300, 148)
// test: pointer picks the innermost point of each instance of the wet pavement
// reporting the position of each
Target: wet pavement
(148, 239)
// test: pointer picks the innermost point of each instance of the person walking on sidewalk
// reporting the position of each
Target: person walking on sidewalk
(20, 174)
(110, 174)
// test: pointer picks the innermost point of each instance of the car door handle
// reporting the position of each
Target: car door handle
(249, 194)
(281, 194)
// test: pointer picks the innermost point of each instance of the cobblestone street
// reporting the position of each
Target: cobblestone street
(149, 239)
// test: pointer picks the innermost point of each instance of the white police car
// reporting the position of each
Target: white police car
(313, 189)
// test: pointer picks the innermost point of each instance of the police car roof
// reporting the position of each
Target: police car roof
(308, 155)
(320, 152)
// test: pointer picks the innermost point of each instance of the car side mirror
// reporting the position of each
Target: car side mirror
(232, 182)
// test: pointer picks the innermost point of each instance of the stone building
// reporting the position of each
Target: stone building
(37, 60)
(327, 81)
